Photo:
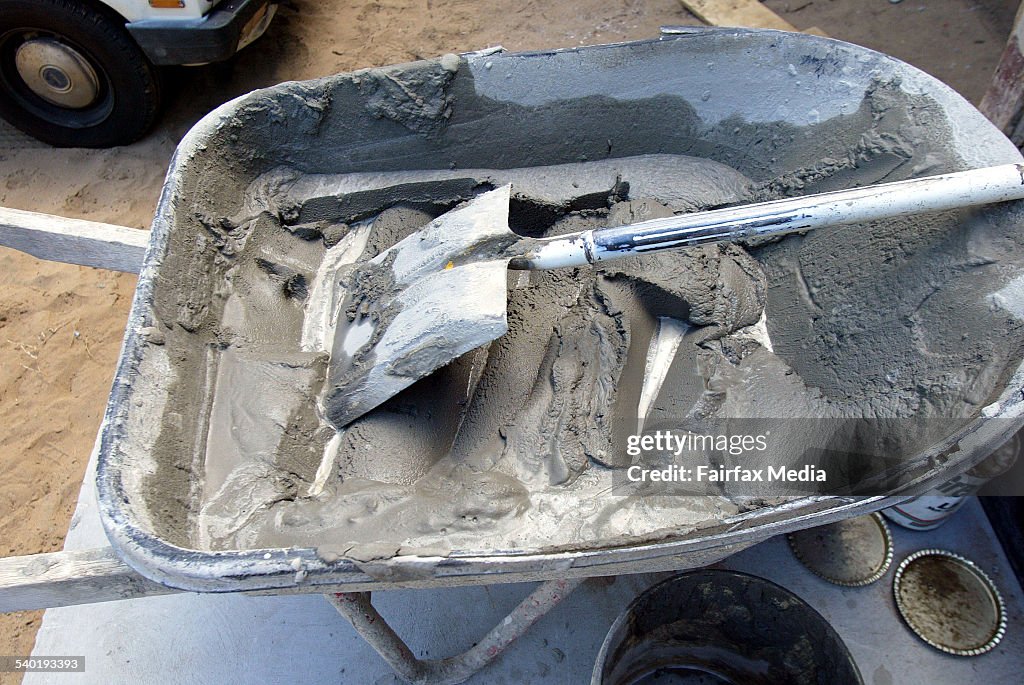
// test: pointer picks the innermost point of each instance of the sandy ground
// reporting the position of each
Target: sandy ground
(61, 326)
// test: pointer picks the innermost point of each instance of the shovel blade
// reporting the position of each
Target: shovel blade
(434, 320)
(420, 304)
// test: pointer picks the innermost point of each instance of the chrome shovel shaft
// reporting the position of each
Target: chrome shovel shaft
(779, 217)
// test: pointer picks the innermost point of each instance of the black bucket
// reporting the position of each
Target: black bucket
(722, 627)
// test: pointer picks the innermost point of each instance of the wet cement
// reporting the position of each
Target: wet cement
(524, 431)
(518, 445)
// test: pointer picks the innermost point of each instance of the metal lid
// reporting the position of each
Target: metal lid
(853, 552)
(949, 602)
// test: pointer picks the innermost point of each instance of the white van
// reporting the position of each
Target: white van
(83, 73)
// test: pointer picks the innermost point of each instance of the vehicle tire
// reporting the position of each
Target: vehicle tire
(72, 76)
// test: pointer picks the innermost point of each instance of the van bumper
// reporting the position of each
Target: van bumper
(224, 30)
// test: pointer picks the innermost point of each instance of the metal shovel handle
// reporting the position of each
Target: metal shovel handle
(779, 217)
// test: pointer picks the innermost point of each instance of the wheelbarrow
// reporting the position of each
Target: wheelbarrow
(692, 90)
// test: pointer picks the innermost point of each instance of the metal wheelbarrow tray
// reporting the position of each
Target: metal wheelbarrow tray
(746, 95)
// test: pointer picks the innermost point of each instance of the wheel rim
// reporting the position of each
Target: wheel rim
(54, 79)
(57, 73)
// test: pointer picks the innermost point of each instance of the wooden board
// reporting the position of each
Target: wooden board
(75, 241)
(1004, 98)
(67, 578)
(746, 13)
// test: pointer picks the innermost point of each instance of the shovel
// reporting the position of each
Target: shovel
(442, 291)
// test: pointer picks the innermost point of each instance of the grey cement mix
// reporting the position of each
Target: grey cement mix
(439, 466)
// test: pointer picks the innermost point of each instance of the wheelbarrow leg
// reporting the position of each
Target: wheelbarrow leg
(357, 608)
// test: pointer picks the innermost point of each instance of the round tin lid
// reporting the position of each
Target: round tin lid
(853, 552)
(949, 602)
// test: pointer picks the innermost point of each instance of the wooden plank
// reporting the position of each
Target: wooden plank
(40, 581)
(746, 13)
(1004, 98)
(74, 241)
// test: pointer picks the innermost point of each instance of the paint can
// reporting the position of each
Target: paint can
(932, 509)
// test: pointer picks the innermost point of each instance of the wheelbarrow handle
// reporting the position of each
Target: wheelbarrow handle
(779, 217)
(57, 579)
(73, 241)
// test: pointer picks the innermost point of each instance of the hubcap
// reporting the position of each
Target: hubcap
(57, 73)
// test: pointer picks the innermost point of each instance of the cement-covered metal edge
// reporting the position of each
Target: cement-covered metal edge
(262, 569)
